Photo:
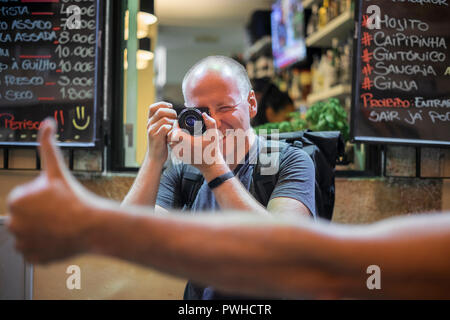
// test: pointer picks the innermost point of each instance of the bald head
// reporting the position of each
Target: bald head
(223, 66)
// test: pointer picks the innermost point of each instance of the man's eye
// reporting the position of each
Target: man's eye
(226, 108)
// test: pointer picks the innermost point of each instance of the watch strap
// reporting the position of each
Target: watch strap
(220, 179)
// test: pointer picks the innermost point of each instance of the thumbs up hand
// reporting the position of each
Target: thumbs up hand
(48, 215)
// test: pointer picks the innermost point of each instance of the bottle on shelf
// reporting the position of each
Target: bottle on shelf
(313, 21)
(322, 73)
(315, 74)
(333, 10)
(294, 90)
(346, 62)
(345, 66)
(335, 62)
(305, 84)
(323, 15)
(344, 5)
(328, 70)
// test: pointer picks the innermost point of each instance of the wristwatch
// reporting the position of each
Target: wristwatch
(214, 183)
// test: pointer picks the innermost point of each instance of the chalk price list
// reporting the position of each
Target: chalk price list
(47, 62)
(400, 57)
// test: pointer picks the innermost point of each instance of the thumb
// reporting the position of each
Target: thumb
(51, 157)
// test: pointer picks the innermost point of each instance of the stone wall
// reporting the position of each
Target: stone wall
(370, 200)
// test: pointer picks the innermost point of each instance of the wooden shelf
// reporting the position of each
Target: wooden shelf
(339, 27)
(338, 91)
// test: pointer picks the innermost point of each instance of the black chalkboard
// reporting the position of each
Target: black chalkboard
(401, 77)
(50, 53)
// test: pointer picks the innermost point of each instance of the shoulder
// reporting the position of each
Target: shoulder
(296, 177)
(284, 159)
(289, 151)
(294, 156)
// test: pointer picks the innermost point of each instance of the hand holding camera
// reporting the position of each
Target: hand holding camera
(161, 118)
(198, 142)
(184, 128)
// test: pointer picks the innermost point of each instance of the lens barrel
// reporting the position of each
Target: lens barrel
(187, 119)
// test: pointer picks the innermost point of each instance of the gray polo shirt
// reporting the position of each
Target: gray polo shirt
(296, 180)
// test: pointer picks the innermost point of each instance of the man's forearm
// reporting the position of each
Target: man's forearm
(145, 187)
(228, 255)
(271, 258)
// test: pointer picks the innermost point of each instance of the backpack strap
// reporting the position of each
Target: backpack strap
(264, 181)
(191, 182)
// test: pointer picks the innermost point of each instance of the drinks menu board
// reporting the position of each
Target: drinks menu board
(401, 80)
(49, 54)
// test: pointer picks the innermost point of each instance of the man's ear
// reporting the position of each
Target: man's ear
(253, 104)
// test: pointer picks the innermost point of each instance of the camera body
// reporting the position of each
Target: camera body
(188, 117)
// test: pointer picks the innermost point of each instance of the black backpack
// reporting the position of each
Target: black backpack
(324, 148)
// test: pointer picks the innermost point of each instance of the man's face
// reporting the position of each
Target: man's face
(221, 95)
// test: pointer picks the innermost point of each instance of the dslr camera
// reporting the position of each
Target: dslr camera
(189, 116)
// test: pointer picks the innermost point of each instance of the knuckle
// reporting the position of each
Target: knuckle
(168, 120)
(165, 129)
(155, 107)
(165, 113)
(152, 108)
(151, 130)
(158, 112)
(173, 113)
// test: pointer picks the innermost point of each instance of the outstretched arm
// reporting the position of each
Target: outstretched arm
(54, 217)
(281, 258)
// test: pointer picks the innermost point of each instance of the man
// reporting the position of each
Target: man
(54, 217)
(221, 85)
(274, 104)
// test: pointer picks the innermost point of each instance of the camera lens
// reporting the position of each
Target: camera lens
(188, 118)
(190, 121)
